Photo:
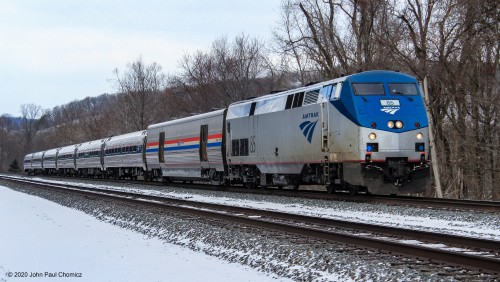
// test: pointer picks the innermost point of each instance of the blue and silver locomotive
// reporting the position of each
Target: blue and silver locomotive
(363, 131)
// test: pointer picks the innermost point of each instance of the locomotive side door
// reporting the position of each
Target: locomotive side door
(325, 116)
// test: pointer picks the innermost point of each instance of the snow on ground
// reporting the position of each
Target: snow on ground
(474, 224)
(41, 238)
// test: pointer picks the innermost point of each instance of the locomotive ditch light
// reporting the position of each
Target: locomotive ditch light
(372, 147)
(372, 136)
(419, 147)
(399, 124)
(420, 136)
(390, 124)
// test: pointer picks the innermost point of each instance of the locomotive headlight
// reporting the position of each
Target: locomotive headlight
(420, 136)
(399, 124)
(372, 136)
(390, 124)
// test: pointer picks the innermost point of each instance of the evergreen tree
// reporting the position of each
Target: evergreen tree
(14, 166)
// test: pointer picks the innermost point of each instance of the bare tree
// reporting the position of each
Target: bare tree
(5, 131)
(142, 86)
(228, 72)
(33, 117)
(330, 37)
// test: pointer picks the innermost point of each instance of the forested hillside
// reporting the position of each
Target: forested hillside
(454, 43)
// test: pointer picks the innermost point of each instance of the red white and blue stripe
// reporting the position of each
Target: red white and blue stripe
(190, 143)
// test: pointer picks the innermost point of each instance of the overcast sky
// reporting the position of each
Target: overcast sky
(56, 51)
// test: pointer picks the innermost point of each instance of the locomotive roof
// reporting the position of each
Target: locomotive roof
(290, 91)
(187, 119)
(371, 74)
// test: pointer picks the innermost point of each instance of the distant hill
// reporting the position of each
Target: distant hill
(12, 122)
(16, 121)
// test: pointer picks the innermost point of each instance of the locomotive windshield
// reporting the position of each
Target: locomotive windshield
(368, 89)
(403, 89)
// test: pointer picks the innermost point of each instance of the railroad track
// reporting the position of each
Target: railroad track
(475, 253)
(422, 202)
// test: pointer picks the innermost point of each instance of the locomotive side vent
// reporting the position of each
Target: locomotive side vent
(311, 97)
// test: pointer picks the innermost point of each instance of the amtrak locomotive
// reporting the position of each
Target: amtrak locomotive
(367, 131)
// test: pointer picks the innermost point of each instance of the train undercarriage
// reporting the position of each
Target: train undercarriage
(395, 176)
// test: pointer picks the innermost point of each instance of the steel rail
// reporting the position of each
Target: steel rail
(425, 202)
(268, 220)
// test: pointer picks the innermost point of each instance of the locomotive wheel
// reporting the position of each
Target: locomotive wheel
(330, 188)
(249, 185)
(353, 190)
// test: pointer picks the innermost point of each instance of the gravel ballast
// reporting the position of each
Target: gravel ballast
(286, 255)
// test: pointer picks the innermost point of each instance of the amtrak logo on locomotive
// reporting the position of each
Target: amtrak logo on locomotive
(310, 115)
(307, 128)
(390, 110)
(390, 106)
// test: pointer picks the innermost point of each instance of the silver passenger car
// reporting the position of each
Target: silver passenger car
(89, 159)
(50, 161)
(27, 163)
(66, 160)
(124, 155)
(187, 149)
(37, 163)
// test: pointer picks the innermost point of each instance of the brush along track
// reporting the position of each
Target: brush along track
(466, 251)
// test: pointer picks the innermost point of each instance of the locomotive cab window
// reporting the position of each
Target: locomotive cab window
(403, 89)
(361, 89)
